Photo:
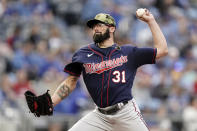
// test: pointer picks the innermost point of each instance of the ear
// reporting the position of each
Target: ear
(112, 29)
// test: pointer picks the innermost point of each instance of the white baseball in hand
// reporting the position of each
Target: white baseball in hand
(140, 12)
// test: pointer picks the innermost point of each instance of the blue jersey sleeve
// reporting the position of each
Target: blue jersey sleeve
(144, 56)
(76, 57)
(75, 67)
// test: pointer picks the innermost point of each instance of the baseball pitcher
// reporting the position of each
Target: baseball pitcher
(108, 71)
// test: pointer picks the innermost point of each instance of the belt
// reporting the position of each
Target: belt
(113, 109)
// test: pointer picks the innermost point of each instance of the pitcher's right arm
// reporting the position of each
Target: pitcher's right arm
(64, 89)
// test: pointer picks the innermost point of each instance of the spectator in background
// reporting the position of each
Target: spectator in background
(165, 123)
(177, 99)
(2, 7)
(1, 97)
(22, 83)
(190, 115)
(22, 57)
(195, 87)
(91, 8)
(24, 7)
(7, 95)
(34, 36)
(55, 40)
(14, 38)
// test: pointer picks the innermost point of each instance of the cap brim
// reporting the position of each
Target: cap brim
(92, 22)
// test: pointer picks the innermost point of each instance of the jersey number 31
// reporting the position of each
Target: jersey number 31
(118, 76)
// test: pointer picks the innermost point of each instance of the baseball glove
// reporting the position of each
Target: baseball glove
(39, 105)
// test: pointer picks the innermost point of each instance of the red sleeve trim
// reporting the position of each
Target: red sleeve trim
(154, 56)
(67, 71)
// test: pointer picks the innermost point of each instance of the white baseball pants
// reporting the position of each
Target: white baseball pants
(126, 119)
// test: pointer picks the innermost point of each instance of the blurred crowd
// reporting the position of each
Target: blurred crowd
(38, 38)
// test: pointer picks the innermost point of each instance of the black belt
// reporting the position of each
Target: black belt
(113, 109)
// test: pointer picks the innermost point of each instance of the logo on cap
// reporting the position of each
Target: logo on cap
(103, 18)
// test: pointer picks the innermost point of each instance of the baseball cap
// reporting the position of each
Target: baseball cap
(102, 18)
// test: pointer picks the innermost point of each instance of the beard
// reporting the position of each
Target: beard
(100, 38)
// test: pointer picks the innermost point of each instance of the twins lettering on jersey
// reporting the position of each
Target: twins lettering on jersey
(104, 65)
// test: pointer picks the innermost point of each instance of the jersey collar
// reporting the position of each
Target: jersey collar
(110, 47)
(104, 51)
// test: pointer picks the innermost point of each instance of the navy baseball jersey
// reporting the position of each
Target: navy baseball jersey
(109, 72)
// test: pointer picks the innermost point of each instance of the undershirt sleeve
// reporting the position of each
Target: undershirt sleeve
(75, 67)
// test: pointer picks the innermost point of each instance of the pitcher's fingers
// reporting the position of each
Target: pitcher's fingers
(147, 11)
